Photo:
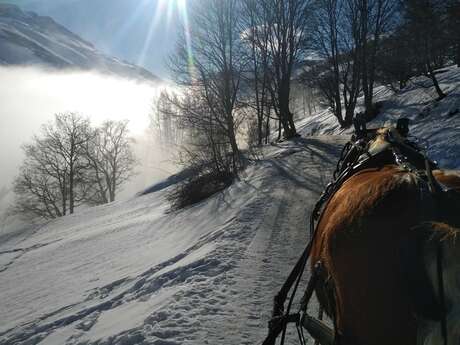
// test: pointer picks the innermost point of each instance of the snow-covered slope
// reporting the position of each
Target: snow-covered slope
(436, 124)
(29, 39)
(134, 272)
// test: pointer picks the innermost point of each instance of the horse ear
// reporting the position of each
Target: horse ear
(414, 271)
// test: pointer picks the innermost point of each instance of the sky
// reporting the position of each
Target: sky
(142, 32)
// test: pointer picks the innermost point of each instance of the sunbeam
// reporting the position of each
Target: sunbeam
(165, 15)
(182, 7)
(121, 33)
(156, 17)
(171, 8)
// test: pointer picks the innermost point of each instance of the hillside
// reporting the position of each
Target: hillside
(435, 124)
(29, 39)
(120, 28)
(135, 272)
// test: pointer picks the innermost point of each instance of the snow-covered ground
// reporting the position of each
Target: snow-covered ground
(135, 272)
(436, 124)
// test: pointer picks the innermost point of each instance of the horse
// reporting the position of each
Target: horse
(390, 250)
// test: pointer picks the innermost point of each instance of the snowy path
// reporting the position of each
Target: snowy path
(133, 273)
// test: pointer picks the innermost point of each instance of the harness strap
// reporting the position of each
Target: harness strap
(278, 307)
(317, 270)
(442, 297)
(277, 324)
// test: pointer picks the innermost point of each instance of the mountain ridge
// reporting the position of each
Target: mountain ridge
(27, 38)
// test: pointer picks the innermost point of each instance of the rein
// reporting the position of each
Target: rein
(280, 319)
(442, 297)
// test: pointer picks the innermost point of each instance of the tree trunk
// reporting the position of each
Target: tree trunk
(440, 93)
(433, 78)
(285, 113)
(402, 84)
(366, 83)
(259, 131)
(292, 124)
(338, 108)
(267, 129)
(287, 132)
(279, 129)
(267, 126)
(349, 112)
(457, 54)
(113, 182)
(234, 146)
(368, 91)
(336, 90)
(112, 192)
(287, 122)
(64, 196)
(71, 191)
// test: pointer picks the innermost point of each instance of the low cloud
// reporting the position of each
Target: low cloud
(29, 98)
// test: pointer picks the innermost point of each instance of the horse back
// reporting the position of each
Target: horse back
(359, 239)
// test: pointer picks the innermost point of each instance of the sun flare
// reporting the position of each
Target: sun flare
(164, 15)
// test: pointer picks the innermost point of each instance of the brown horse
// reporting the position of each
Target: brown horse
(378, 240)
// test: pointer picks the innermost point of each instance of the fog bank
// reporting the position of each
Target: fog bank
(29, 97)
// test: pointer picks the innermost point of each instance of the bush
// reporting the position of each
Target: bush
(199, 187)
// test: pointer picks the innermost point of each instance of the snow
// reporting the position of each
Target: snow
(134, 271)
(137, 272)
(435, 123)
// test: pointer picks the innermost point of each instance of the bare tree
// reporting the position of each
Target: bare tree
(423, 31)
(336, 37)
(205, 152)
(111, 160)
(395, 62)
(327, 33)
(209, 65)
(164, 120)
(348, 34)
(376, 17)
(258, 77)
(287, 23)
(50, 182)
(38, 194)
